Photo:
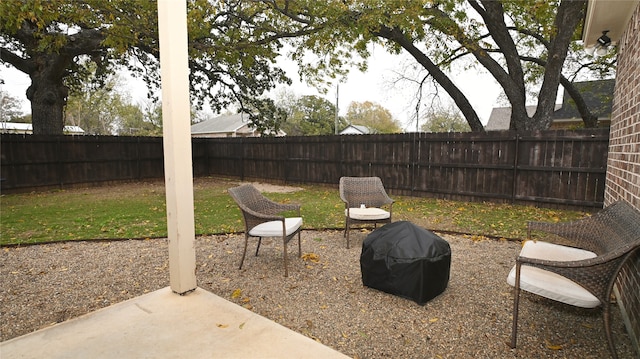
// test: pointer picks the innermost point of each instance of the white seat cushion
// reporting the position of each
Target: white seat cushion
(274, 228)
(551, 285)
(367, 214)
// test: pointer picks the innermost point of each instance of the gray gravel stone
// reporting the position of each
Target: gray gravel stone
(323, 297)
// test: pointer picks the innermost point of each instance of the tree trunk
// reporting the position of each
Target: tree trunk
(569, 14)
(588, 118)
(48, 96)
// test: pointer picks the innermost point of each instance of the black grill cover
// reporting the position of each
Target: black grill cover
(403, 259)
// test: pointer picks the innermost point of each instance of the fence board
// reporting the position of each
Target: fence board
(547, 167)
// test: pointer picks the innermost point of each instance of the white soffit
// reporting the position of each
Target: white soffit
(607, 15)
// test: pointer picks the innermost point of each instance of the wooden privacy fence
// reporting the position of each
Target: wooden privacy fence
(558, 168)
(30, 162)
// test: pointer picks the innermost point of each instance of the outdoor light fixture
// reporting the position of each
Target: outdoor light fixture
(602, 45)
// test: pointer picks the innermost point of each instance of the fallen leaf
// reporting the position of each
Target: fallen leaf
(236, 293)
(241, 326)
(552, 346)
(433, 320)
(222, 325)
(312, 257)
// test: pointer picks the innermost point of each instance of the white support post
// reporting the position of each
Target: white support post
(174, 71)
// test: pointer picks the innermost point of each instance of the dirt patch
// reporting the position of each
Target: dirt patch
(271, 188)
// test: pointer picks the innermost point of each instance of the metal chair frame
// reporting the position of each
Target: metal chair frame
(257, 209)
(613, 234)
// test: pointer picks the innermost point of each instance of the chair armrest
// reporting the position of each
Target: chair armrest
(544, 263)
(265, 216)
(600, 259)
(595, 274)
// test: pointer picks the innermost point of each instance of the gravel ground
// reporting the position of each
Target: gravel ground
(323, 297)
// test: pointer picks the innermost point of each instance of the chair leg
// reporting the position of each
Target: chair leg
(284, 242)
(244, 252)
(258, 248)
(516, 300)
(299, 246)
(346, 230)
(606, 316)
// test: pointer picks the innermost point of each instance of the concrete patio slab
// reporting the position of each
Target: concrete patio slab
(163, 324)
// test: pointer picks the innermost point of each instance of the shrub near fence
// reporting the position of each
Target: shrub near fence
(553, 168)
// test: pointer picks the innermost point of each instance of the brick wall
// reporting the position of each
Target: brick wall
(623, 166)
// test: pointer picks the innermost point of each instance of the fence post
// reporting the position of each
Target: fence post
(138, 175)
(60, 164)
(412, 161)
(514, 186)
(241, 158)
(341, 138)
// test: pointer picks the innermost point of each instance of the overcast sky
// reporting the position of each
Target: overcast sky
(374, 85)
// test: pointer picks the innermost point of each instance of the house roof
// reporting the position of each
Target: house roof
(221, 124)
(501, 117)
(597, 94)
(356, 129)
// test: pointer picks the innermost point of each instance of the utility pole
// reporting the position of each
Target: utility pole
(337, 109)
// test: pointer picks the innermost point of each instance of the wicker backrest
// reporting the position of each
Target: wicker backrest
(369, 191)
(614, 227)
(249, 198)
(257, 208)
(613, 234)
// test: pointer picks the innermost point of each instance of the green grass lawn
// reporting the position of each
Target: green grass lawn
(138, 211)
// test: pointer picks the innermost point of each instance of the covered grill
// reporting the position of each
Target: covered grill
(405, 260)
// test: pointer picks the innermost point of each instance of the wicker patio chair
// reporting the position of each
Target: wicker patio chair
(262, 219)
(365, 200)
(584, 273)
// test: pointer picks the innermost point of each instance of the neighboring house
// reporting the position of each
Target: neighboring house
(501, 117)
(599, 98)
(27, 128)
(356, 130)
(234, 125)
(597, 94)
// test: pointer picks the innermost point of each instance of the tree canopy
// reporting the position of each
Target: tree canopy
(309, 116)
(10, 108)
(373, 116)
(444, 119)
(232, 48)
(519, 43)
